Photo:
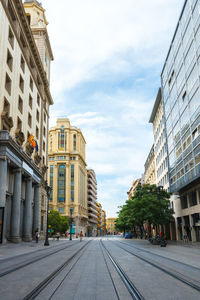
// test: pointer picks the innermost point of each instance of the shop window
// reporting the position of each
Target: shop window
(184, 203)
(193, 198)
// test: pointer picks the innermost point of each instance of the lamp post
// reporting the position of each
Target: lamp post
(48, 191)
(160, 188)
(70, 232)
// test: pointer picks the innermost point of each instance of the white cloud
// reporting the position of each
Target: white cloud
(103, 42)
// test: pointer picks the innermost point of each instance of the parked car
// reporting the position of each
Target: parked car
(128, 235)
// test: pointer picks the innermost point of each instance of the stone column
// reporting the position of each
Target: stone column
(3, 183)
(36, 207)
(27, 227)
(16, 207)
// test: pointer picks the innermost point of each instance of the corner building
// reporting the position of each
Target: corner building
(181, 99)
(67, 173)
(24, 110)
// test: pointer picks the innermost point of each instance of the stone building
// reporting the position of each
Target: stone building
(24, 112)
(110, 226)
(150, 170)
(92, 202)
(132, 189)
(67, 174)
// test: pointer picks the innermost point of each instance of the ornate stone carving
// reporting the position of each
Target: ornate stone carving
(7, 122)
(37, 158)
(19, 137)
(44, 169)
(29, 148)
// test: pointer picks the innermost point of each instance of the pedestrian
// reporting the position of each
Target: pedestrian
(37, 235)
(81, 236)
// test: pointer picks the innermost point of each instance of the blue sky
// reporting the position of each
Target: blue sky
(108, 59)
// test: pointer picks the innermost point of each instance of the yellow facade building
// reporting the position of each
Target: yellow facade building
(110, 226)
(67, 173)
(99, 218)
(150, 168)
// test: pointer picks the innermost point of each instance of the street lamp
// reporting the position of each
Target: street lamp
(48, 191)
(70, 232)
(160, 189)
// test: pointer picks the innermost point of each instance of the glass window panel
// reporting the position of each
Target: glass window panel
(180, 77)
(192, 78)
(185, 117)
(194, 102)
(190, 55)
(187, 34)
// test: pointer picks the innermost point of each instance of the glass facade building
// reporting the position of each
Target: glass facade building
(181, 98)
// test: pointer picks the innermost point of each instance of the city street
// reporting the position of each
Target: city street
(99, 268)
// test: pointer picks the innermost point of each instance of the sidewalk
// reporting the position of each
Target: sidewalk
(10, 249)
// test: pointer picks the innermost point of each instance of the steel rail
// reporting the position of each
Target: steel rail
(35, 259)
(42, 285)
(163, 269)
(128, 283)
(158, 255)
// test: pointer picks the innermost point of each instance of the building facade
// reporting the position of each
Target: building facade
(103, 226)
(181, 93)
(132, 190)
(92, 202)
(24, 109)
(161, 157)
(110, 226)
(150, 168)
(67, 174)
(99, 219)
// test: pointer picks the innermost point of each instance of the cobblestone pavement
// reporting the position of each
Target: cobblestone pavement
(89, 273)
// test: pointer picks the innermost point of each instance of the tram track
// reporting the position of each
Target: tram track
(37, 258)
(175, 274)
(134, 292)
(43, 284)
(161, 256)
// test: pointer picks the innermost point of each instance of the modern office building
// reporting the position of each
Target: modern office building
(67, 174)
(150, 168)
(24, 109)
(92, 202)
(181, 99)
(110, 226)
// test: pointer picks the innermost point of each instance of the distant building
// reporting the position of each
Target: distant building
(24, 116)
(150, 170)
(110, 226)
(67, 174)
(92, 202)
(99, 219)
(133, 188)
(103, 226)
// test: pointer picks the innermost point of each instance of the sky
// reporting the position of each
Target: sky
(108, 57)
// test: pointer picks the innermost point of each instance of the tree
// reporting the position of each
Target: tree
(149, 205)
(57, 222)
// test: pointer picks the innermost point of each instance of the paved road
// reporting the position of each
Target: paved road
(90, 270)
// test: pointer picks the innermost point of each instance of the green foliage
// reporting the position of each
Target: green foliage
(149, 204)
(57, 222)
